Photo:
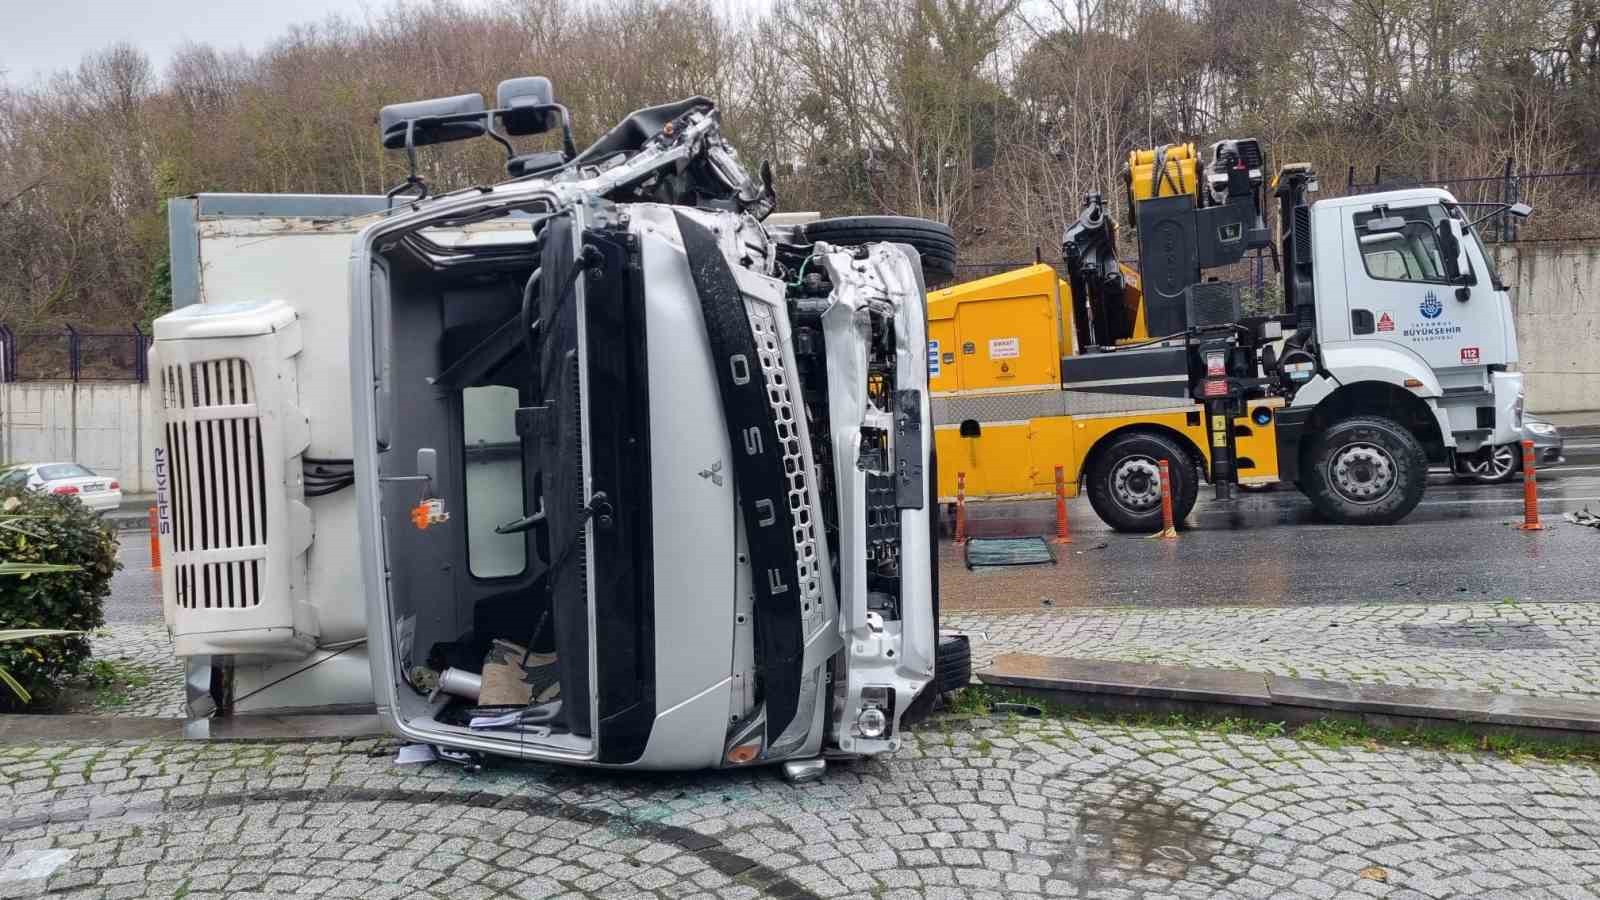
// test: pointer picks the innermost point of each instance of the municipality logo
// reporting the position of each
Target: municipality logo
(1431, 307)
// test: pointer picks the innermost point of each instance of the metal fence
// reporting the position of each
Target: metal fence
(68, 354)
(1510, 185)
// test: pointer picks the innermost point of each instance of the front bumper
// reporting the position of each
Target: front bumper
(102, 501)
(1549, 450)
(1508, 394)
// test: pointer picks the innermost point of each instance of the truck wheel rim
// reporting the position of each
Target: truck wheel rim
(1361, 472)
(1501, 462)
(1136, 483)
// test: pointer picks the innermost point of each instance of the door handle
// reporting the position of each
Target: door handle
(1361, 322)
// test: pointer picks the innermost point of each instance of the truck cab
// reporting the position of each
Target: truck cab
(1390, 310)
(621, 469)
(1402, 322)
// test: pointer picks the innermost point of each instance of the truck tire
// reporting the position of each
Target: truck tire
(933, 240)
(952, 668)
(1366, 470)
(1124, 481)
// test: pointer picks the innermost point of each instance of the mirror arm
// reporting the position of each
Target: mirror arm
(497, 137)
(568, 146)
(1489, 215)
(412, 182)
(411, 149)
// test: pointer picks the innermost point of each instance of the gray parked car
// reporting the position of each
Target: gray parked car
(1505, 461)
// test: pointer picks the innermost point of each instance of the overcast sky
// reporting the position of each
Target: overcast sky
(43, 36)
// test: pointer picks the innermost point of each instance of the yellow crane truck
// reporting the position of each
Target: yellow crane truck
(1394, 349)
(1004, 419)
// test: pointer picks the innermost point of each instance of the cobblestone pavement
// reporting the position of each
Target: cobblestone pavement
(147, 651)
(1545, 649)
(980, 808)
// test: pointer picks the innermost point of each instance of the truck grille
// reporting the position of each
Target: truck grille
(779, 394)
(218, 492)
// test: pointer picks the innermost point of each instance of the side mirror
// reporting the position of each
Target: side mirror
(424, 122)
(1520, 210)
(1453, 252)
(527, 105)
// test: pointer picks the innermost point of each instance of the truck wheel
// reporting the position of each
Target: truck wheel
(1366, 470)
(952, 668)
(933, 240)
(1125, 481)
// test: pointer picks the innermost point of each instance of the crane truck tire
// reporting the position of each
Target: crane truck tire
(933, 240)
(1366, 470)
(1125, 481)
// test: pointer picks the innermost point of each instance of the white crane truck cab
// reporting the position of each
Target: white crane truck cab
(600, 465)
(1412, 356)
(1389, 310)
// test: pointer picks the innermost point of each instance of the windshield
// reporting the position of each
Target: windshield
(64, 470)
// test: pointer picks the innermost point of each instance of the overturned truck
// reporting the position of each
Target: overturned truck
(603, 464)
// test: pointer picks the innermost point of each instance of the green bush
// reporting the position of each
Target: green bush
(46, 528)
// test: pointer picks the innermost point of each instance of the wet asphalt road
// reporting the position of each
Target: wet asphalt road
(1272, 549)
(135, 588)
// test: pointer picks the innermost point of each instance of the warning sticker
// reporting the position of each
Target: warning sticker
(1004, 348)
(1385, 322)
(933, 359)
(1219, 439)
(1469, 356)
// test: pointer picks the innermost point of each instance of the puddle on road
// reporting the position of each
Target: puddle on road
(1127, 829)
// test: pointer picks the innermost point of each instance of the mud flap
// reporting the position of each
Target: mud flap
(759, 478)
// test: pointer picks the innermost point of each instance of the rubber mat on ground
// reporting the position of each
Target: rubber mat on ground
(1032, 551)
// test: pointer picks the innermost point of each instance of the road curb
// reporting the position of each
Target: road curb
(1141, 688)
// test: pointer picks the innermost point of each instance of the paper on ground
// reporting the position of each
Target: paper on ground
(411, 754)
(29, 865)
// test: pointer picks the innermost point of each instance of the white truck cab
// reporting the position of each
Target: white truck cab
(1404, 351)
(1388, 311)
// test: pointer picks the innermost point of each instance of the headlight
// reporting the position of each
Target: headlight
(1539, 427)
(872, 723)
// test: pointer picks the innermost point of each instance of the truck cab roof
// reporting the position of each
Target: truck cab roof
(1401, 197)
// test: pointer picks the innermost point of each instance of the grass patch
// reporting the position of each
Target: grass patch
(111, 681)
(977, 701)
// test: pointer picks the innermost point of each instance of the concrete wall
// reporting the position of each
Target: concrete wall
(1556, 295)
(102, 425)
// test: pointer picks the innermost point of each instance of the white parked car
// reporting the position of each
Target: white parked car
(97, 492)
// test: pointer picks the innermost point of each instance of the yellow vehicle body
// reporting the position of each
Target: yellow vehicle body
(1170, 171)
(1002, 419)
